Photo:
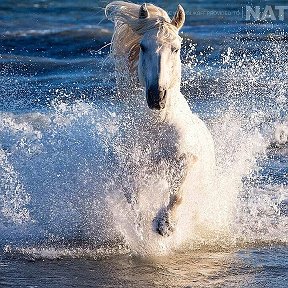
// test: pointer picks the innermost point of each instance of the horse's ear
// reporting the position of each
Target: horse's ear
(143, 12)
(179, 17)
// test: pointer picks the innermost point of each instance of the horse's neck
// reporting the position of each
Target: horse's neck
(177, 110)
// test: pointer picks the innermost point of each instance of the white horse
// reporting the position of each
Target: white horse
(147, 44)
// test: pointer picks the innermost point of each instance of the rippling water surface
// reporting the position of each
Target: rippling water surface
(69, 148)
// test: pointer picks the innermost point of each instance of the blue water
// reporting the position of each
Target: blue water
(60, 123)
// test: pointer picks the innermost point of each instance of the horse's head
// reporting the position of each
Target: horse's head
(159, 66)
(147, 40)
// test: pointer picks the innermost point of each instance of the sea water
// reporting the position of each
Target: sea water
(70, 149)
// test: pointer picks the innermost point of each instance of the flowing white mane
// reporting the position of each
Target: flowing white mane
(129, 29)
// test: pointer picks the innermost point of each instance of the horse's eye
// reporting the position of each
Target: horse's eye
(142, 47)
(175, 50)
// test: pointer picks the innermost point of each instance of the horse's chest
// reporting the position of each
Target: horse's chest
(163, 143)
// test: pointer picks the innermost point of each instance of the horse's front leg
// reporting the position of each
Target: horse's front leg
(165, 220)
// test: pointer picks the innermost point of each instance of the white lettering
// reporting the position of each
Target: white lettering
(281, 10)
(251, 13)
(268, 13)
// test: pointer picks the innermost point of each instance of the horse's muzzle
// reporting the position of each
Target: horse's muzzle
(156, 98)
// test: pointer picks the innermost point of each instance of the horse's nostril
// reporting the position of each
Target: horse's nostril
(156, 97)
(150, 94)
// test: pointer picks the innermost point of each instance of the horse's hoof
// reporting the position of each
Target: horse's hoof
(164, 225)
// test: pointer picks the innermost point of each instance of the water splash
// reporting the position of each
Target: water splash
(13, 195)
(68, 174)
(248, 120)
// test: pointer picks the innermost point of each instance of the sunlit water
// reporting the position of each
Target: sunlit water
(70, 150)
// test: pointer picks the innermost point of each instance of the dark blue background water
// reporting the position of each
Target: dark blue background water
(47, 45)
(50, 54)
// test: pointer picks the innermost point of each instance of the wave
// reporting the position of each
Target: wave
(77, 31)
(57, 43)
